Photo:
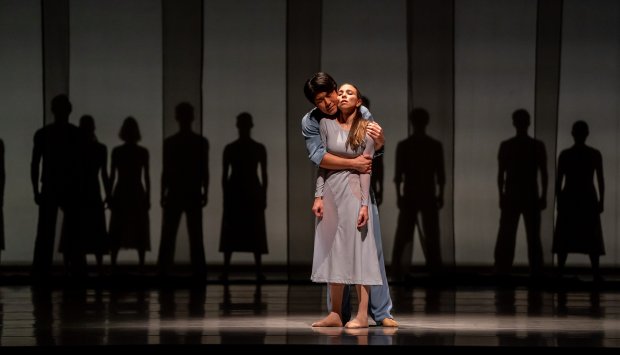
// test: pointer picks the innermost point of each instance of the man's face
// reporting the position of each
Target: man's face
(327, 102)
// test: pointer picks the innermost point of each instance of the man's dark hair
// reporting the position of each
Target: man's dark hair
(320, 82)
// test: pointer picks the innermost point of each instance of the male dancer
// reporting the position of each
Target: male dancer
(321, 91)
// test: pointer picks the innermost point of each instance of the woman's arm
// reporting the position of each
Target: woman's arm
(317, 206)
(365, 186)
(365, 177)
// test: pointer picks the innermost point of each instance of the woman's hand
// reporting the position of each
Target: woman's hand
(317, 207)
(362, 219)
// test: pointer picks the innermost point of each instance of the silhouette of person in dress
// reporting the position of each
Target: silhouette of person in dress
(184, 186)
(54, 173)
(578, 225)
(88, 233)
(420, 179)
(245, 197)
(130, 201)
(521, 159)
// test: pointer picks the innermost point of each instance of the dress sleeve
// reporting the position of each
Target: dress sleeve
(365, 177)
(366, 114)
(320, 183)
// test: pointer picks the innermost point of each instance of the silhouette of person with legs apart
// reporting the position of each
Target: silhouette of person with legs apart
(245, 197)
(578, 225)
(130, 202)
(420, 180)
(90, 235)
(184, 187)
(521, 159)
(54, 173)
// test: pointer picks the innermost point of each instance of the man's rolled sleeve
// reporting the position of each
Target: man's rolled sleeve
(312, 136)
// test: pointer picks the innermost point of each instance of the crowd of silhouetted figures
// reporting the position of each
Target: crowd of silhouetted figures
(69, 172)
(522, 182)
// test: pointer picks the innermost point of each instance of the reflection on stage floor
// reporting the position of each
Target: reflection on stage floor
(280, 314)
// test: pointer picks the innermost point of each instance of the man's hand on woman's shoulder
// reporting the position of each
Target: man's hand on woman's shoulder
(376, 133)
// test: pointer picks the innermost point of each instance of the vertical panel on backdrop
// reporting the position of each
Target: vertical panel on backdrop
(244, 73)
(185, 165)
(425, 158)
(116, 78)
(589, 91)
(21, 98)
(548, 45)
(373, 58)
(303, 58)
(55, 52)
(494, 76)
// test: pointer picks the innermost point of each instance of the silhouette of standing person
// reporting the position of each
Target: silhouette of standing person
(521, 158)
(55, 165)
(245, 197)
(130, 202)
(2, 184)
(91, 235)
(578, 225)
(184, 186)
(420, 179)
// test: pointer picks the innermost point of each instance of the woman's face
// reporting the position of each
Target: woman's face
(348, 98)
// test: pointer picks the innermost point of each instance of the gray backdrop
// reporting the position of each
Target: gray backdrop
(115, 69)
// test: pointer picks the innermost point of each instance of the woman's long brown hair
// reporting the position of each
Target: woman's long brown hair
(357, 133)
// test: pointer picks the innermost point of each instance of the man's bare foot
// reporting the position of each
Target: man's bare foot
(332, 320)
(389, 322)
(357, 323)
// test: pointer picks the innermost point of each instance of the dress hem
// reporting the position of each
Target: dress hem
(348, 282)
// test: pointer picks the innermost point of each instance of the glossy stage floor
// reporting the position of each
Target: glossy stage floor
(162, 316)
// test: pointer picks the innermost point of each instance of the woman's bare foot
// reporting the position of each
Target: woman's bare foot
(332, 320)
(357, 323)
